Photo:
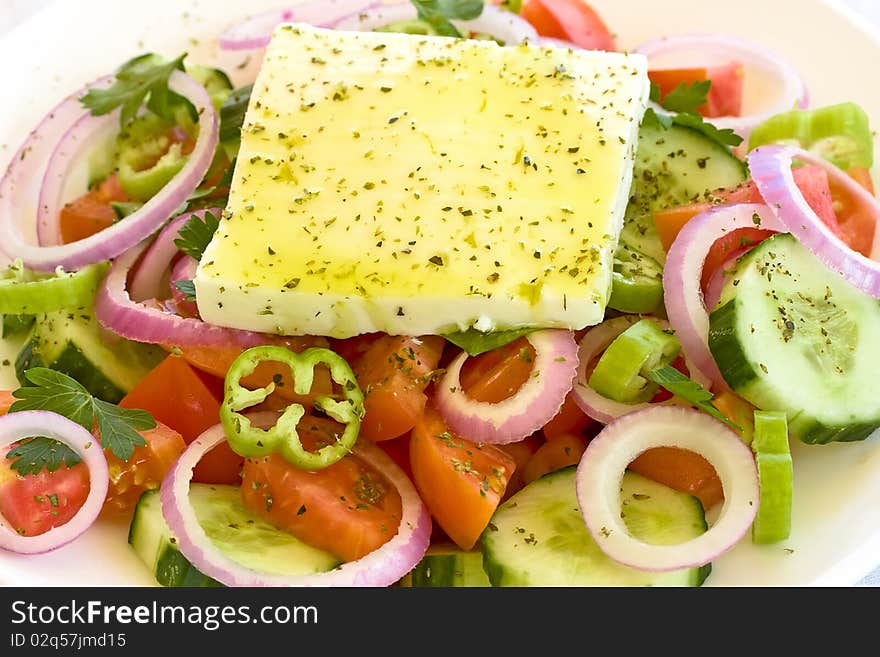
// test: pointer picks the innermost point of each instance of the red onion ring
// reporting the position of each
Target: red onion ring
(684, 268)
(184, 270)
(715, 285)
(126, 233)
(792, 90)
(595, 341)
(116, 312)
(26, 424)
(146, 282)
(26, 166)
(771, 171)
(256, 31)
(536, 402)
(499, 23)
(607, 456)
(382, 567)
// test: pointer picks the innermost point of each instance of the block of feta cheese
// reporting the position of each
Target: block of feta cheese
(422, 185)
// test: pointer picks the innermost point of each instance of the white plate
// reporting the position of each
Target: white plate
(836, 522)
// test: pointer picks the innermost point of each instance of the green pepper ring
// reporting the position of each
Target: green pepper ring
(249, 441)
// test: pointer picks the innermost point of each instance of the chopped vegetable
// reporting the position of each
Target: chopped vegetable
(770, 444)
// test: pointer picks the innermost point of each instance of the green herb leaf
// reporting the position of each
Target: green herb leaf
(31, 455)
(725, 136)
(440, 13)
(142, 79)
(475, 343)
(682, 103)
(689, 390)
(685, 98)
(188, 288)
(232, 113)
(59, 393)
(196, 234)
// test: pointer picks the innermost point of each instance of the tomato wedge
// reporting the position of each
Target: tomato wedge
(557, 453)
(461, 482)
(144, 471)
(725, 92)
(188, 402)
(496, 375)
(682, 470)
(393, 373)
(347, 509)
(91, 213)
(571, 20)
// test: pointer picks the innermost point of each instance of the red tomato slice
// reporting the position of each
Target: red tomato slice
(186, 400)
(461, 482)
(572, 20)
(496, 375)
(34, 504)
(91, 213)
(144, 471)
(725, 93)
(393, 373)
(347, 509)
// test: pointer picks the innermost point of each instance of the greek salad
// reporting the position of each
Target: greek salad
(452, 293)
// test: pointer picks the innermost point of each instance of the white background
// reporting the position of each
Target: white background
(13, 12)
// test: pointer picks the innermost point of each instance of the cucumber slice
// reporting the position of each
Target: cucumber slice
(673, 167)
(15, 325)
(447, 565)
(239, 534)
(538, 536)
(636, 282)
(790, 335)
(74, 343)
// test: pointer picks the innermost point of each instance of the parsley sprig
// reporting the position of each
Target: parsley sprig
(187, 288)
(54, 391)
(142, 79)
(196, 234)
(440, 13)
(682, 103)
(678, 384)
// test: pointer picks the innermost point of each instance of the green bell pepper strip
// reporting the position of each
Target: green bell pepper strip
(23, 292)
(838, 133)
(636, 282)
(147, 158)
(770, 443)
(249, 441)
(622, 373)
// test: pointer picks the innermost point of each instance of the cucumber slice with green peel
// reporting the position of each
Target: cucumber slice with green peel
(636, 282)
(790, 335)
(15, 325)
(538, 537)
(622, 373)
(239, 534)
(447, 565)
(673, 167)
(74, 343)
(770, 443)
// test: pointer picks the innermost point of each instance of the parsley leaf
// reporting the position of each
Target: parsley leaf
(440, 13)
(142, 79)
(475, 342)
(188, 288)
(232, 113)
(682, 103)
(689, 390)
(684, 98)
(57, 392)
(31, 455)
(195, 235)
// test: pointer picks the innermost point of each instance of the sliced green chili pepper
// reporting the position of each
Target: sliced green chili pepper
(838, 133)
(249, 441)
(770, 443)
(622, 372)
(23, 292)
(636, 282)
(147, 158)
